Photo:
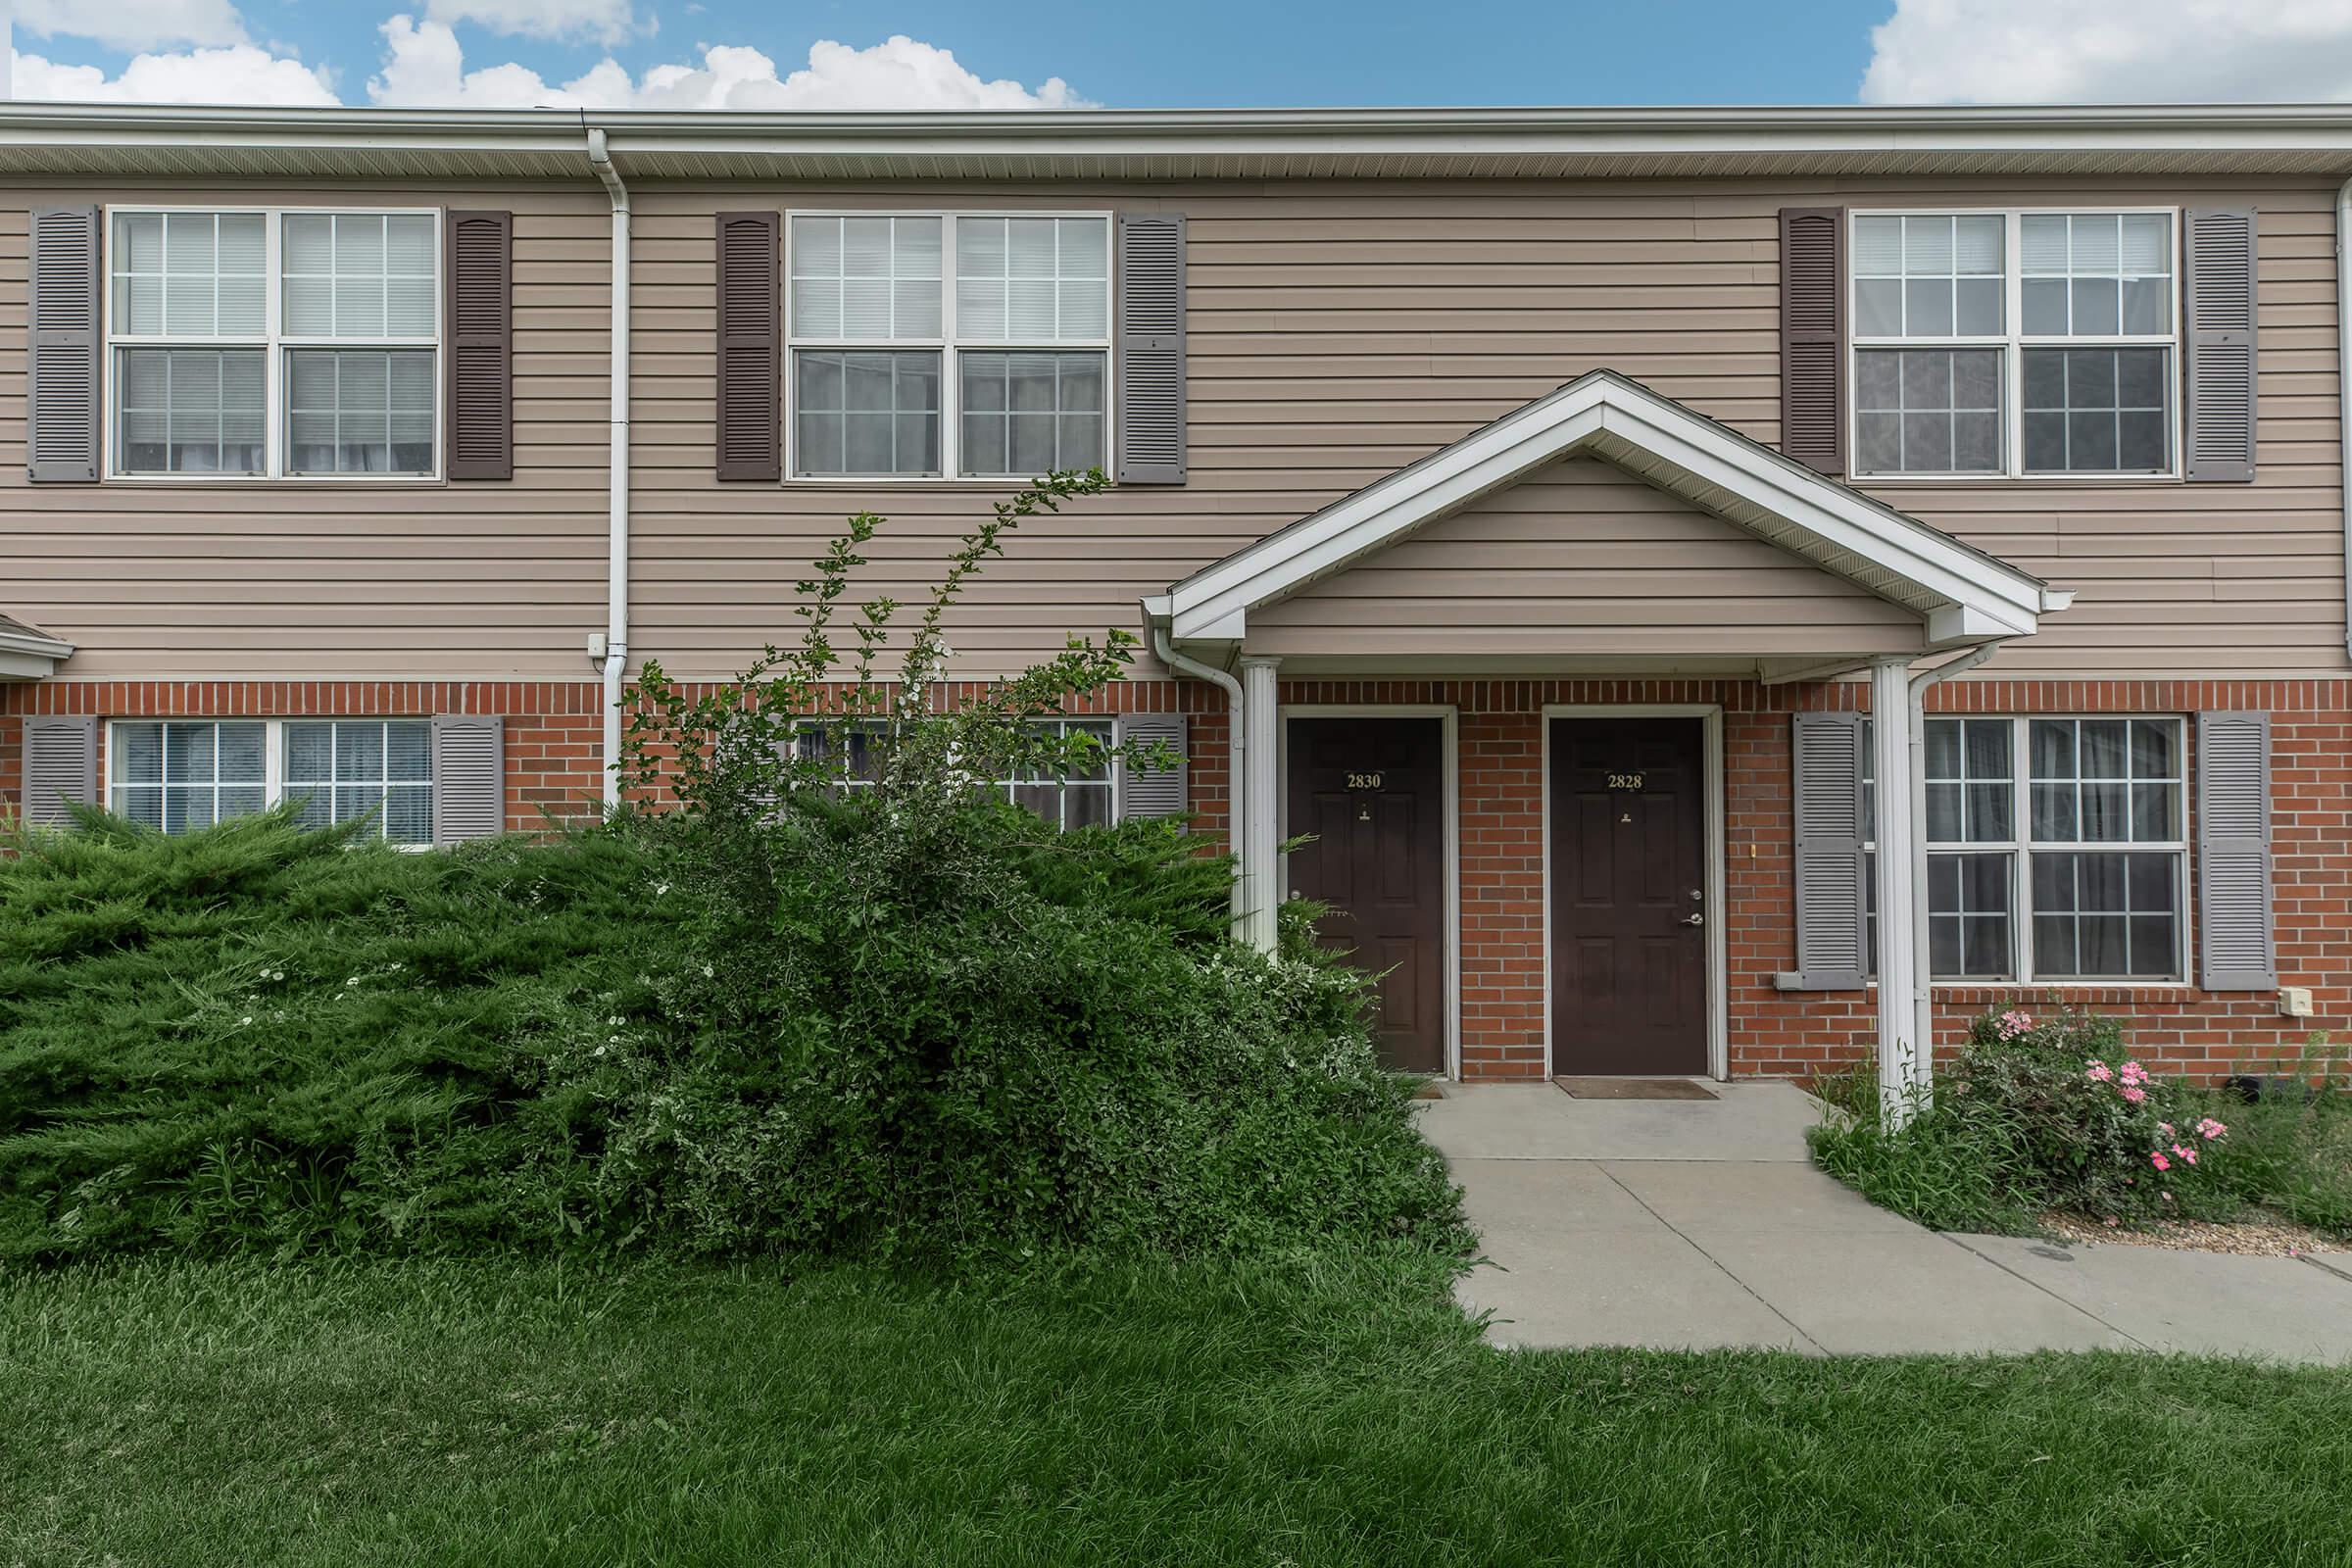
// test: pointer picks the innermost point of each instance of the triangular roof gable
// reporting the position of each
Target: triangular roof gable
(1966, 595)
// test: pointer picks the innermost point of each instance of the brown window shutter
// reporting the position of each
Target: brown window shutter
(1813, 336)
(751, 348)
(2220, 246)
(479, 271)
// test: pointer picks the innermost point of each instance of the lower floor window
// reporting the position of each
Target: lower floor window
(1083, 797)
(177, 775)
(2056, 849)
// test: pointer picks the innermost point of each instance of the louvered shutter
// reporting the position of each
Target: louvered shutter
(62, 388)
(1828, 781)
(751, 348)
(1150, 411)
(478, 264)
(61, 767)
(1153, 792)
(1812, 336)
(2220, 253)
(2234, 853)
(470, 777)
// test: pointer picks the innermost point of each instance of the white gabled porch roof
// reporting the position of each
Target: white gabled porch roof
(28, 653)
(1963, 595)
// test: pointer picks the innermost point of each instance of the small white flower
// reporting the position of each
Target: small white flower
(353, 981)
(241, 1022)
(661, 887)
(708, 971)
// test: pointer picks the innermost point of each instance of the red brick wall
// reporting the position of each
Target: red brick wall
(553, 757)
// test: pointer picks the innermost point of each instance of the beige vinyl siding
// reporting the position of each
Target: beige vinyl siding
(1337, 331)
(1582, 560)
(250, 580)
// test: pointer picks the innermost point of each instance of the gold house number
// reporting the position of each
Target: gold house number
(1363, 781)
(1625, 782)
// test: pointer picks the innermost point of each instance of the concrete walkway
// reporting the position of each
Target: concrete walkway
(1698, 1224)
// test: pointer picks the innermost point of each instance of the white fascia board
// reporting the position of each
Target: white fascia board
(1556, 426)
(1292, 557)
(1910, 550)
(34, 646)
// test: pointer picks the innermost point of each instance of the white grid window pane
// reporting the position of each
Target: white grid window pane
(359, 410)
(182, 775)
(189, 410)
(2096, 275)
(1930, 275)
(1031, 414)
(2098, 410)
(866, 280)
(1927, 411)
(359, 275)
(1032, 279)
(188, 274)
(347, 769)
(860, 412)
(1080, 797)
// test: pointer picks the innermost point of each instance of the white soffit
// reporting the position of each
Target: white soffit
(1964, 594)
(1141, 145)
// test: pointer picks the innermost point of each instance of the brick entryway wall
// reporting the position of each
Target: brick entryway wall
(553, 746)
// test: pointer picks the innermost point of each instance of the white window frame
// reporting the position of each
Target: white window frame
(273, 752)
(1110, 783)
(947, 347)
(275, 345)
(2012, 343)
(2021, 847)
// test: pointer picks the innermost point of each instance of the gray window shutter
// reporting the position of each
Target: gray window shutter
(1153, 792)
(1812, 336)
(751, 348)
(1150, 411)
(1828, 779)
(470, 777)
(61, 767)
(61, 441)
(478, 266)
(2220, 246)
(2234, 853)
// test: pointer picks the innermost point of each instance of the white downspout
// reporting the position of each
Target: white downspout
(1922, 990)
(2343, 383)
(1238, 730)
(617, 613)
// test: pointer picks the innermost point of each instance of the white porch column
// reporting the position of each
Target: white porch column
(1898, 829)
(1260, 810)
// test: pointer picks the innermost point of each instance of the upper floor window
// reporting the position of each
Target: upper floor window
(274, 344)
(926, 345)
(2043, 343)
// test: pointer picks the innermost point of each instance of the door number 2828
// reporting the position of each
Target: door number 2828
(1625, 782)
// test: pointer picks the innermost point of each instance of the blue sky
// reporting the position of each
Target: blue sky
(941, 53)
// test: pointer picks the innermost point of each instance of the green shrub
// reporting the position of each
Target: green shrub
(840, 1000)
(2034, 1115)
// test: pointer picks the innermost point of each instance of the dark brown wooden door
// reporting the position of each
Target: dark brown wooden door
(1629, 913)
(1372, 791)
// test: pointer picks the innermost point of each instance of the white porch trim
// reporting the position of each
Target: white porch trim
(29, 653)
(1963, 595)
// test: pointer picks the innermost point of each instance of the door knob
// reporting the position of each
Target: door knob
(1694, 919)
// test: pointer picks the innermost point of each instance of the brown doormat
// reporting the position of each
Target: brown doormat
(1633, 1089)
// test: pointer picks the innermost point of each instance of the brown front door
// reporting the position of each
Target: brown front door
(1372, 792)
(1629, 913)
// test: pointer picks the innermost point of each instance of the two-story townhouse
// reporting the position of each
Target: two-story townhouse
(1639, 547)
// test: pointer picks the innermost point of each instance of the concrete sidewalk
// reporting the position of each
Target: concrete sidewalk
(1696, 1224)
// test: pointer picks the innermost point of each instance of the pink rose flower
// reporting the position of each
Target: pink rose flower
(2210, 1129)
(2009, 1025)
(2135, 1094)
(2160, 1162)
(2098, 1072)
(2164, 1129)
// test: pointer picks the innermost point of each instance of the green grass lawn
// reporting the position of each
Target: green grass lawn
(168, 1413)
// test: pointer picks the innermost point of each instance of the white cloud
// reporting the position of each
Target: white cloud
(2111, 51)
(607, 21)
(237, 75)
(423, 65)
(133, 24)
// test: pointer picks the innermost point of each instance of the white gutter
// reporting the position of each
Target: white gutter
(1237, 727)
(615, 656)
(2343, 381)
(1923, 989)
